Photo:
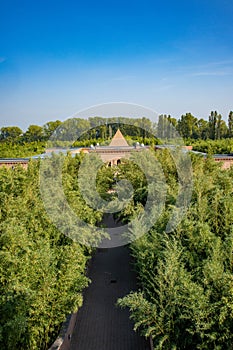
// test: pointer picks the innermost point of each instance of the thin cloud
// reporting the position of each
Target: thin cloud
(220, 63)
(209, 69)
(206, 73)
(223, 67)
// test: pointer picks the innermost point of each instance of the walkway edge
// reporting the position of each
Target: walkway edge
(63, 340)
(151, 343)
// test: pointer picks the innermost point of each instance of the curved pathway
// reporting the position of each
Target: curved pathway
(100, 324)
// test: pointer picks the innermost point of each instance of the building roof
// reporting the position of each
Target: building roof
(14, 160)
(118, 140)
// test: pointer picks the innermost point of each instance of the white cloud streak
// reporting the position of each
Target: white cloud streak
(211, 73)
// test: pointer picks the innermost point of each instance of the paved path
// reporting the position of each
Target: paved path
(100, 324)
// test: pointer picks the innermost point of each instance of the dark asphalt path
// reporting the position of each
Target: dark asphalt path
(100, 324)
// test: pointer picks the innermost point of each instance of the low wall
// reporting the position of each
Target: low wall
(64, 339)
(13, 164)
(151, 343)
(226, 163)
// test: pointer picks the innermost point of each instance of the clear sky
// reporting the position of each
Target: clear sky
(57, 57)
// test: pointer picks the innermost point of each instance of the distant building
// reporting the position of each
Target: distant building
(226, 159)
(112, 154)
(12, 162)
(117, 150)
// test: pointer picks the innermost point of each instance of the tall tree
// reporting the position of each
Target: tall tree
(50, 127)
(34, 133)
(212, 124)
(230, 124)
(221, 128)
(160, 126)
(188, 126)
(203, 129)
(166, 127)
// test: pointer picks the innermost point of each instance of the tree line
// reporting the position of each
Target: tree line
(189, 127)
(211, 136)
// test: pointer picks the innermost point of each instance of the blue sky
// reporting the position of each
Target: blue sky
(58, 57)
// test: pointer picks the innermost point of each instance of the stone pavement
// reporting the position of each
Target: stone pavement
(101, 325)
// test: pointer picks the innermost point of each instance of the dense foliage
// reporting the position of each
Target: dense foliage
(185, 299)
(14, 150)
(42, 272)
(186, 295)
(223, 146)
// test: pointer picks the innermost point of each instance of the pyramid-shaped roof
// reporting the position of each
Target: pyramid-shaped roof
(118, 140)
